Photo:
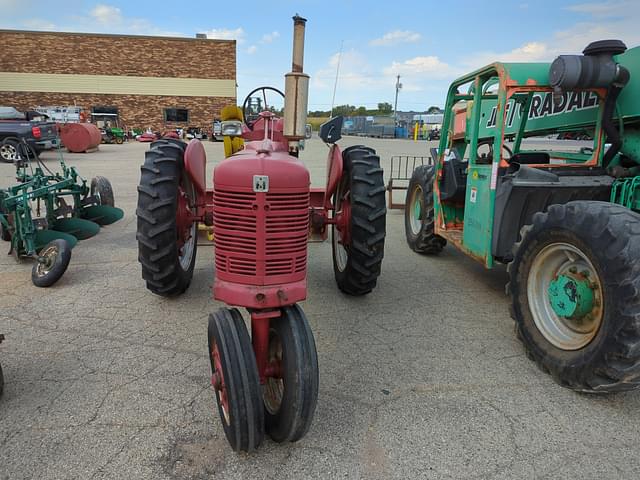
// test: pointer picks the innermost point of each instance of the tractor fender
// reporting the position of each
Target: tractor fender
(195, 163)
(334, 174)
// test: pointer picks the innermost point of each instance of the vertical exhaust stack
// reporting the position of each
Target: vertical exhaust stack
(296, 90)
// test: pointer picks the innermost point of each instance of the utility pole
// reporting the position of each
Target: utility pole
(395, 107)
(335, 85)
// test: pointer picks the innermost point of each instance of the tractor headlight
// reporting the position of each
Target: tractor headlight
(232, 128)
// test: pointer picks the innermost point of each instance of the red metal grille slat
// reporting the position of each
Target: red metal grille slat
(242, 219)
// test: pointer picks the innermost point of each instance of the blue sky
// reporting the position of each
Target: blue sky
(427, 43)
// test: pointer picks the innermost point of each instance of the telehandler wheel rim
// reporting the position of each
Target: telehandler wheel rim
(415, 209)
(273, 389)
(568, 319)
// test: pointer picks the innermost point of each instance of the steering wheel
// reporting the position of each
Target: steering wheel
(487, 158)
(245, 104)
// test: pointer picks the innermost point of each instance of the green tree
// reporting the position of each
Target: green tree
(362, 111)
(433, 110)
(343, 110)
(385, 107)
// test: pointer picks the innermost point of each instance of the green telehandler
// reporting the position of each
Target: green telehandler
(506, 187)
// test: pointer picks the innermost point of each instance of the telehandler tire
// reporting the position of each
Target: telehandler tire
(167, 265)
(290, 399)
(574, 288)
(234, 374)
(357, 262)
(418, 214)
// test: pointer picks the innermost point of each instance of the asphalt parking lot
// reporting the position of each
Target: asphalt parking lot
(423, 378)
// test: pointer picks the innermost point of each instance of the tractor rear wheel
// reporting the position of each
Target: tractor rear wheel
(290, 397)
(360, 212)
(53, 260)
(101, 187)
(167, 238)
(234, 376)
(574, 292)
(418, 214)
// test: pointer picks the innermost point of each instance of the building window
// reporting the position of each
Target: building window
(176, 115)
(104, 110)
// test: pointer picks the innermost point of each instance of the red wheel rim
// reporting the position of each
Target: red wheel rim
(183, 217)
(273, 389)
(217, 380)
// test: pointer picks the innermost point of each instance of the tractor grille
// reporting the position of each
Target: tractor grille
(261, 238)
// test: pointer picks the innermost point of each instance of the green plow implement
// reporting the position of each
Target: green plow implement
(45, 214)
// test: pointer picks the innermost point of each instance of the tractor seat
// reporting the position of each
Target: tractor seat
(454, 179)
(530, 158)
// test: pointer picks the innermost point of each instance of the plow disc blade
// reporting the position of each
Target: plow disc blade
(78, 227)
(45, 236)
(103, 214)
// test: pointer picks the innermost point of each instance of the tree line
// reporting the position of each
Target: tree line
(384, 108)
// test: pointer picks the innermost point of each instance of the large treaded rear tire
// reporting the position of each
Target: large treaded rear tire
(609, 235)
(425, 240)
(157, 234)
(363, 176)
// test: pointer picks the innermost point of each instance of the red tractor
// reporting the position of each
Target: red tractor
(263, 212)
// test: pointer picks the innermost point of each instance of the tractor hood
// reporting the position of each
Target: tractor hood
(283, 171)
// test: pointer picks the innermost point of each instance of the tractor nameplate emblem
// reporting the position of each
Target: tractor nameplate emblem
(260, 183)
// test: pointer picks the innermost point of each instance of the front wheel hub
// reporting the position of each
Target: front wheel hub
(565, 296)
(570, 296)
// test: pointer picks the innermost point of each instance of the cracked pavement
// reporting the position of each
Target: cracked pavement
(423, 378)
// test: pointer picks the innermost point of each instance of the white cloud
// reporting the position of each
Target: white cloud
(355, 72)
(603, 9)
(270, 37)
(106, 14)
(252, 49)
(429, 66)
(236, 34)
(396, 37)
(101, 18)
(38, 24)
(529, 52)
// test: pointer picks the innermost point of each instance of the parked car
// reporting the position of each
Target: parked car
(32, 127)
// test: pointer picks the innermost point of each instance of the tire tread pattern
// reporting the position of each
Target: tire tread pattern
(612, 234)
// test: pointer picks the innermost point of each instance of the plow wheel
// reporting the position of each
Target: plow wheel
(360, 213)
(290, 395)
(167, 235)
(418, 214)
(105, 212)
(574, 290)
(51, 264)
(101, 188)
(234, 376)
(5, 234)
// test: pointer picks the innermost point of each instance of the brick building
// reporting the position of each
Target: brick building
(150, 82)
